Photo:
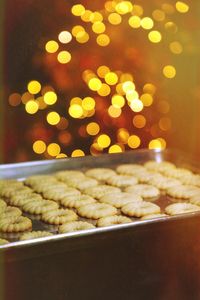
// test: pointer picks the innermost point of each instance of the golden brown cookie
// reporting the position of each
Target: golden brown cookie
(112, 220)
(100, 190)
(153, 216)
(39, 179)
(75, 226)
(177, 173)
(59, 216)
(39, 206)
(164, 183)
(64, 175)
(74, 201)
(3, 205)
(140, 209)
(81, 183)
(11, 191)
(10, 213)
(101, 174)
(129, 169)
(181, 208)
(122, 181)
(183, 191)
(34, 235)
(57, 195)
(119, 199)
(20, 200)
(18, 225)
(144, 190)
(96, 210)
(159, 166)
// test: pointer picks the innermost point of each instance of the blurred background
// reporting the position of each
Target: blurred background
(92, 77)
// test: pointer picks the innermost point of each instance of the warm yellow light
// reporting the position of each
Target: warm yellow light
(34, 87)
(98, 27)
(88, 103)
(168, 8)
(111, 78)
(146, 99)
(124, 7)
(65, 37)
(53, 149)
(41, 103)
(118, 101)
(171, 27)
(134, 22)
(182, 7)
(128, 86)
(39, 147)
(76, 100)
(103, 40)
(82, 37)
(114, 112)
(139, 121)
(158, 15)
(155, 36)
(165, 124)
(92, 128)
(136, 105)
(86, 17)
(155, 144)
(169, 71)
(147, 23)
(94, 84)
(26, 97)
(126, 77)
(163, 143)
(114, 149)
(15, 99)
(78, 10)
(61, 155)
(77, 153)
(96, 16)
(176, 47)
(134, 141)
(123, 135)
(131, 95)
(102, 71)
(149, 88)
(163, 107)
(114, 18)
(64, 57)
(110, 6)
(50, 98)
(76, 29)
(75, 111)
(104, 90)
(137, 10)
(53, 118)
(103, 141)
(119, 89)
(51, 46)
(31, 107)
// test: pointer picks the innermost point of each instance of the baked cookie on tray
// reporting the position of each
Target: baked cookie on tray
(112, 220)
(18, 225)
(183, 191)
(146, 191)
(34, 235)
(120, 199)
(181, 208)
(96, 210)
(101, 174)
(75, 201)
(100, 190)
(75, 226)
(59, 216)
(122, 181)
(129, 169)
(140, 209)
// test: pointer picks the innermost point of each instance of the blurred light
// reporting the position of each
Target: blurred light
(182, 7)
(75, 111)
(126, 77)
(110, 6)
(137, 10)
(96, 16)
(76, 29)
(102, 71)
(163, 143)
(118, 101)
(149, 88)
(114, 18)
(139, 121)
(114, 149)
(111, 78)
(53, 118)
(119, 89)
(103, 141)
(26, 97)
(123, 135)
(51, 46)
(82, 37)
(136, 105)
(158, 15)
(176, 47)
(34, 87)
(171, 27)
(92, 128)
(168, 8)
(47, 88)
(50, 98)
(77, 153)
(155, 36)
(39, 147)
(146, 99)
(104, 90)
(53, 149)
(94, 84)
(64, 137)
(14, 99)
(163, 106)
(103, 40)
(147, 23)
(114, 112)
(86, 17)
(41, 103)
(131, 95)
(76, 100)
(88, 103)
(165, 124)
(134, 141)
(169, 71)
(64, 57)
(63, 124)
(134, 21)
(128, 86)
(98, 27)
(61, 155)
(124, 7)
(65, 37)
(78, 10)
(158, 143)
(31, 107)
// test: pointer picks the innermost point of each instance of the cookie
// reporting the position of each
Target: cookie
(64, 175)
(140, 209)
(119, 199)
(164, 183)
(101, 174)
(122, 181)
(177, 173)
(74, 201)
(181, 208)
(11, 191)
(96, 210)
(19, 200)
(146, 176)
(159, 166)
(10, 213)
(43, 187)
(112, 220)
(144, 190)
(19, 225)
(34, 235)
(81, 184)
(100, 190)
(129, 169)
(153, 216)
(195, 200)
(75, 226)
(3, 205)
(183, 191)
(190, 180)
(57, 195)
(59, 216)
(39, 206)
(39, 179)
(3, 242)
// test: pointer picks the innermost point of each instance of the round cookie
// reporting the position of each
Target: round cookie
(113, 220)
(122, 181)
(40, 179)
(20, 200)
(3, 205)
(181, 208)
(119, 199)
(39, 206)
(177, 173)
(81, 184)
(101, 174)
(100, 190)
(153, 216)
(57, 195)
(183, 191)
(129, 169)
(144, 190)
(59, 216)
(64, 175)
(164, 183)
(190, 180)
(159, 166)
(195, 200)
(140, 209)
(18, 225)
(34, 235)
(75, 226)
(10, 213)
(74, 201)
(96, 210)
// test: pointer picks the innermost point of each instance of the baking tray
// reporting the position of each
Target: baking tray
(144, 259)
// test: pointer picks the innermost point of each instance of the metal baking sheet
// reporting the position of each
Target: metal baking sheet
(22, 170)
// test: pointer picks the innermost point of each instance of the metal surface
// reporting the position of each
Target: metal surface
(151, 259)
